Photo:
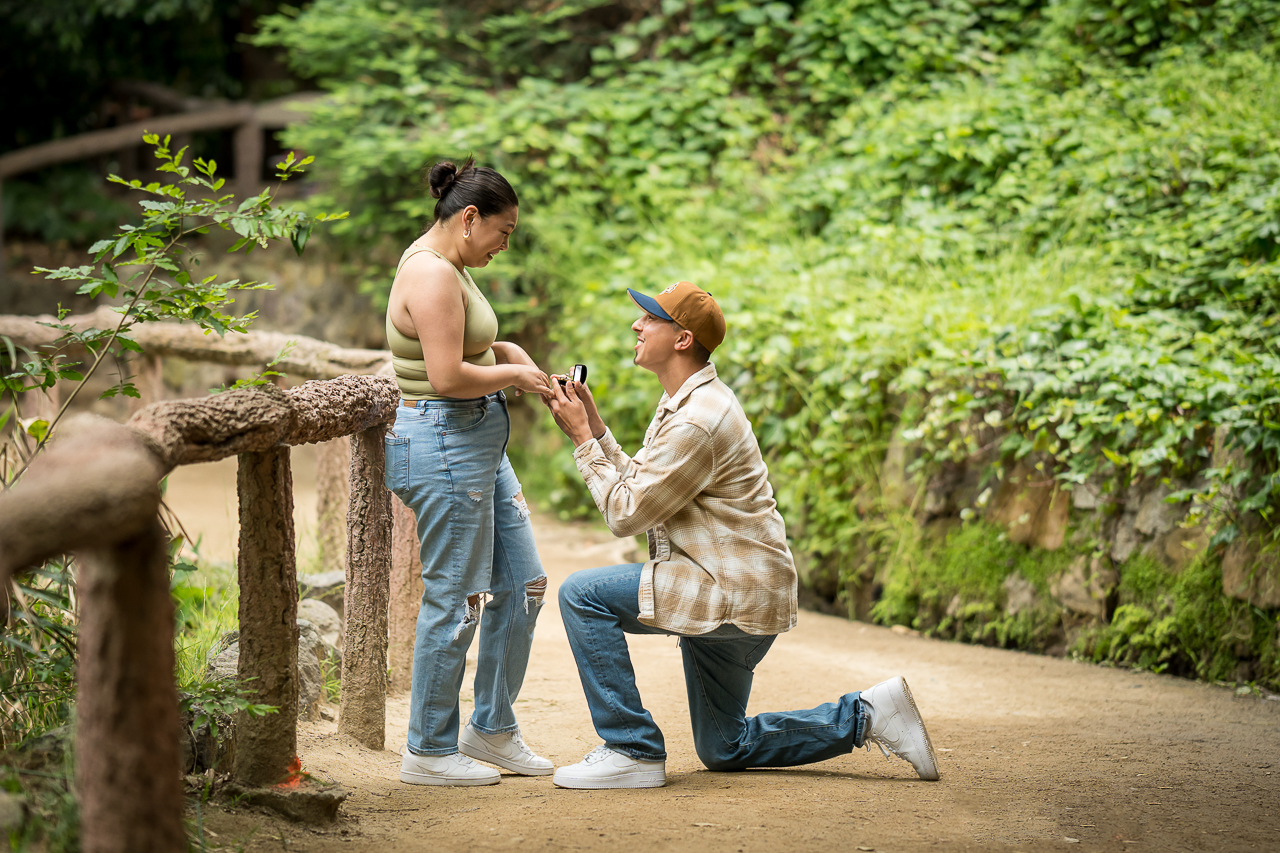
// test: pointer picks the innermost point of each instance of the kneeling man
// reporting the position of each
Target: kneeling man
(719, 575)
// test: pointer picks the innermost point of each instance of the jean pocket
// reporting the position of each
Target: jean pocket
(460, 420)
(396, 473)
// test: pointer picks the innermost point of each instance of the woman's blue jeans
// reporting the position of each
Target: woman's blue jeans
(601, 606)
(446, 459)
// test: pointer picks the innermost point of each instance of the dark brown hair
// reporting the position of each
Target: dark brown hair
(471, 185)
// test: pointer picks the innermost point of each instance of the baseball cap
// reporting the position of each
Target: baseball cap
(691, 307)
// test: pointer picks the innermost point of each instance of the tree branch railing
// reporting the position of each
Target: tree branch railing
(96, 491)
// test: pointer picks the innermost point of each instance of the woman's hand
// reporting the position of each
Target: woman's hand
(529, 379)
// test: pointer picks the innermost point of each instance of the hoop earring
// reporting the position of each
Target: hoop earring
(466, 235)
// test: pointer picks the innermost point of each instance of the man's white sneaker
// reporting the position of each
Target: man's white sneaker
(607, 768)
(508, 751)
(453, 769)
(896, 727)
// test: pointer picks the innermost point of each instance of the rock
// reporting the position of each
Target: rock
(1086, 496)
(1126, 539)
(893, 474)
(224, 658)
(309, 802)
(208, 746)
(1155, 516)
(325, 618)
(1033, 507)
(1227, 455)
(1180, 546)
(49, 749)
(1084, 587)
(328, 587)
(13, 813)
(1020, 594)
(312, 650)
(1248, 572)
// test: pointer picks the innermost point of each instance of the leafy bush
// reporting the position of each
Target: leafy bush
(1033, 227)
(1183, 625)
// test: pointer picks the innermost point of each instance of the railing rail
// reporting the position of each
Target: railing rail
(95, 491)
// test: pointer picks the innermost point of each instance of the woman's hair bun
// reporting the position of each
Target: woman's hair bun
(443, 175)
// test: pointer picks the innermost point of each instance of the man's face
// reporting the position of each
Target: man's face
(655, 341)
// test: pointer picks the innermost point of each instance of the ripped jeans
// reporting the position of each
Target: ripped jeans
(446, 459)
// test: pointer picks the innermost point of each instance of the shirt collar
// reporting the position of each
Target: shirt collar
(702, 377)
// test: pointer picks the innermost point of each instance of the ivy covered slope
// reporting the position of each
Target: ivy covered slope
(1001, 277)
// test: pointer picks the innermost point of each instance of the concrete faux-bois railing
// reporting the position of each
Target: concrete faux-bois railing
(95, 491)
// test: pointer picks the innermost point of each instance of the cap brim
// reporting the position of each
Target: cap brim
(648, 303)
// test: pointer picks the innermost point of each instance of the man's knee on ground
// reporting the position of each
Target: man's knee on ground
(718, 761)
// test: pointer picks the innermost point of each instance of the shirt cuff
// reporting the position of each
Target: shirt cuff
(608, 444)
(588, 450)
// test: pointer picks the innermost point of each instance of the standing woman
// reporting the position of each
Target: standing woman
(446, 459)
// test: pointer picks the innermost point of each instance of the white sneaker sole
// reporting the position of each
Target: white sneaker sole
(460, 781)
(905, 704)
(479, 753)
(634, 779)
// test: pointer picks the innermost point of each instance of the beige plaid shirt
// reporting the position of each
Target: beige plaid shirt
(700, 490)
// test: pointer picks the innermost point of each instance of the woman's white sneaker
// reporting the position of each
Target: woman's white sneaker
(896, 726)
(507, 750)
(454, 769)
(607, 768)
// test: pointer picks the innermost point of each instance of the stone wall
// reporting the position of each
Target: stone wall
(1106, 526)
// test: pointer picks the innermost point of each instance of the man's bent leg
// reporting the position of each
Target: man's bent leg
(718, 673)
(599, 608)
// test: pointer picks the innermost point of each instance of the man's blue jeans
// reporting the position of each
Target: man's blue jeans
(601, 606)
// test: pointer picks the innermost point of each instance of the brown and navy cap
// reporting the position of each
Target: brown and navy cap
(691, 307)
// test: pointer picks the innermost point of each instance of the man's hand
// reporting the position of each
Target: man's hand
(594, 421)
(570, 412)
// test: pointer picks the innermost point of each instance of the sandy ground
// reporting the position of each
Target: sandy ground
(1036, 753)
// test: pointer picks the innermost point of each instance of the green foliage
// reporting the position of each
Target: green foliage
(148, 270)
(954, 588)
(210, 701)
(1134, 29)
(38, 654)
(151, 269)
(1183, 625)
(53, 820)
(964, 227)
(63, 57)
(65, 204)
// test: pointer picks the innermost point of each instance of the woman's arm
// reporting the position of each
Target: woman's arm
(434, 302)
(508, 353)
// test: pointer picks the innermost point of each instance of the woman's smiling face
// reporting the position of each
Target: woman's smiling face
(489, 235)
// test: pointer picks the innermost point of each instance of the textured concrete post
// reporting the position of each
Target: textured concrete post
(127, 764)
(333, 487)
(266, 746)
(406, 595)
(363, 713)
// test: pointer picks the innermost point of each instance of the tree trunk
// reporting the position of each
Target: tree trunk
(364, 658)
(406, 594)
(128, 769)
(266, 746)
(333, 485)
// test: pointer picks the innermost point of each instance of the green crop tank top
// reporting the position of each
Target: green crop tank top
(480, 332)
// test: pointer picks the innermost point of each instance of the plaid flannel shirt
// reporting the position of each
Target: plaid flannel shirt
(700, 490)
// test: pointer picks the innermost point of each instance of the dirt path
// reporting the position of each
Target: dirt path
(1036, 754)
